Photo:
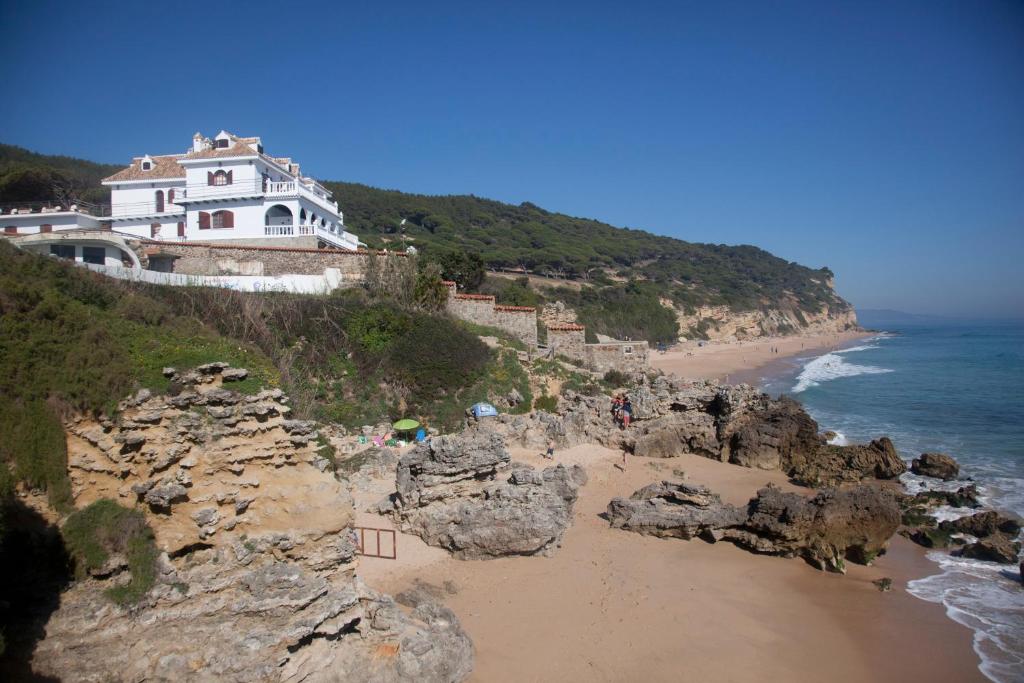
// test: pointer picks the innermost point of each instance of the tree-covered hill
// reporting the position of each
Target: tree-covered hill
(28, 177)
(506, 236)
(526, 236)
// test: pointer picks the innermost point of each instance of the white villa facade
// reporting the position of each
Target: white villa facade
(225, 189)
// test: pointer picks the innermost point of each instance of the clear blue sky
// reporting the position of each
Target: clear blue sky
(883, 139)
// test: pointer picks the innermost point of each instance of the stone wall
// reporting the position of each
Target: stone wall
(218, 259)
(481, 309)
(568, 340)
(628, 356)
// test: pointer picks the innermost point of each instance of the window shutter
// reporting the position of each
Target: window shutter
(204, 220)
(181, 227)
(159, 201)
(45, 227)
(170, 196)
(209, 177)
(154, 229)
(230, 173)
(228, 217)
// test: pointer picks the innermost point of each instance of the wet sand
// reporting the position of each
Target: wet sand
(612, 605)
(745, 361)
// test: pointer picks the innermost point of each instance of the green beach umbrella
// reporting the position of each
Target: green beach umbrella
(406, 425)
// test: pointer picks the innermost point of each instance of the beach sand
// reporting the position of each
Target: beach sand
(612, 605)
(747, 361)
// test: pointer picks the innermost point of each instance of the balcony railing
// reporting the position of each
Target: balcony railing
(279, 189)
(22, 208)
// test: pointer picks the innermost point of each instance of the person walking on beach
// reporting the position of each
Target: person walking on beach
(623, 459)
(550, 454)
(627, 412)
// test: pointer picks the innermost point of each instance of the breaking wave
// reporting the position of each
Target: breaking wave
(833, 366)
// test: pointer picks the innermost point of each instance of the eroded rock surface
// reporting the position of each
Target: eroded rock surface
(464, 493)
(256, 579)
(937, 465)
(825, 530)
(735, 424)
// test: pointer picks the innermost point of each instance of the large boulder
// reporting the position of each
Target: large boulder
(995, 548)
(463, 493)
(676, 434)
(834, 525)
(936, 465)
(982, 524)
(834, 465)
(825, 530)
(774, 437)
(679, 510)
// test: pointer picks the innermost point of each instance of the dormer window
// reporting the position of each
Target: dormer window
(147, 163)
(222, 143)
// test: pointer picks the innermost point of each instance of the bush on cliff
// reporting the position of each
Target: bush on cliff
(104, 529)
(72, 340)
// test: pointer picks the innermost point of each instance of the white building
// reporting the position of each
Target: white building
(225, 189)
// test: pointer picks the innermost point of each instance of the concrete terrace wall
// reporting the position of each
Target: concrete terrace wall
(323, 283)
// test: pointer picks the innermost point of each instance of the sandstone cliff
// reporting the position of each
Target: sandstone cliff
(257, 575)
(721, 322)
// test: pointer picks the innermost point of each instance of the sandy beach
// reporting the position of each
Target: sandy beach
(612, 605)
(744, 361)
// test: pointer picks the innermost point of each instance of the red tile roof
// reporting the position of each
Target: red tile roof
(475, 297)
(165, 166)
(567, 327)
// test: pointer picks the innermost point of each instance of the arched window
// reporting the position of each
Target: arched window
(170, 196)
(278, 214)
(302, 217)
(219, 178)
(159, 201)
(222, 219)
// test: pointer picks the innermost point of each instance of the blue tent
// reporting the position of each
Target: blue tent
(484, 410)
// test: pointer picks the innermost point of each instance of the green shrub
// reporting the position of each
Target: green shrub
(94, 533)
(546, 403)
(616, 378)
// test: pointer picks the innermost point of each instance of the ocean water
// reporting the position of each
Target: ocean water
(956, 388)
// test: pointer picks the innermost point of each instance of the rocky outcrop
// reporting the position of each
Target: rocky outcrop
(937, 465)
(834, 465)
(825, 530)
(237, 614)
(995, 548)
(211, 465)
(982, 524)
(256, 579)
(735, 424)
(677, 510)
(464, 494)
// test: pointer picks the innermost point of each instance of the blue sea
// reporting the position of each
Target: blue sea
(951, 387)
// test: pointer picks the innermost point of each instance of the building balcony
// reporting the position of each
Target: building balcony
(338, 239)
(249, 189)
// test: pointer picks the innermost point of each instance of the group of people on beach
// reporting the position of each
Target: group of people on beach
(622, 410)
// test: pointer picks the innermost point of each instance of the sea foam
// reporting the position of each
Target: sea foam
(833, 366)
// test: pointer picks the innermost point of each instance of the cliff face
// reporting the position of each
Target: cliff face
(720, 322)
(257, 573)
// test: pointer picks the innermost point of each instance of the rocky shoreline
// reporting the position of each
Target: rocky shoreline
(257, 576)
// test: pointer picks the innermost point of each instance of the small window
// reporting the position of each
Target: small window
(159, 201)
(223, 143)
(62, 251)
(147, 165)
(94, 255)
(627, 350)
(222, 219)
(154, 229)
(221, 178)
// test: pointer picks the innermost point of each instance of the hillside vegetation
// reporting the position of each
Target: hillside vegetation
(527, 236)
(72, 341)
(28, 177)
(627, 275)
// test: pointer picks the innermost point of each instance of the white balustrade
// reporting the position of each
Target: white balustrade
(274, 230)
